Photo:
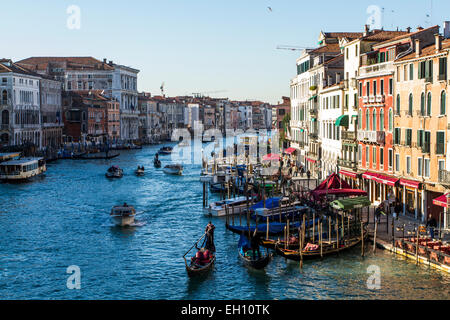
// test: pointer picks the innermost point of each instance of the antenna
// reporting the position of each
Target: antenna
(162, 89)
(292, 48)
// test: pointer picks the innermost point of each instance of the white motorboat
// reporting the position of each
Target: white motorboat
(123, 215)
(217, 209)
(140, 171)
(22, 169)
(174, 169)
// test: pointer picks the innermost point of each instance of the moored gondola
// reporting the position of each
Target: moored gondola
(250, 257)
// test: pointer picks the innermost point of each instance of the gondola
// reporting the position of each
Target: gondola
(257, 262)
(165, 150)
(157, 163)
(96, 157)
(203, 261)
(328, 248)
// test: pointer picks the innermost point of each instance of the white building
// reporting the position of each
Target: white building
(19, 105)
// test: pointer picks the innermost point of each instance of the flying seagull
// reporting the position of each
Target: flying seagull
(270, 9)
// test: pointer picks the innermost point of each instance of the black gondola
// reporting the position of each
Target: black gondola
(204, 259)
(250, 259)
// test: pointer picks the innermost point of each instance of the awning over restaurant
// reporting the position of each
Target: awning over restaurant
(441, 201)
(310, 160)
(410, 183)
(289, 150)
(342, 121)
(271, 157)
(348, 173)
(351, 203)
(339, 192)
(380, 178)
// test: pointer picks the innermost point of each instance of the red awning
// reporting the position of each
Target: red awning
(289, 150)
(348, 173)
(370, 176)
(339, 192)
(271, 157)
(387, 180)
(441, 201)
(410, 183)
(380, 178)
(311, 160)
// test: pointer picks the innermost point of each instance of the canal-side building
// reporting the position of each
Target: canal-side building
(75, 118)
(19, 105)
(378, 161)
(421, 123)
(353, 49)
(51, 112)
(330, 110)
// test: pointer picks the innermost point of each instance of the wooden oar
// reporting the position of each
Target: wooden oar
(194, 244)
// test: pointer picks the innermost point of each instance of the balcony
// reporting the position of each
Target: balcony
(348, 135)
(365, 99)
(314, 135)
(313, 111)
(347, 163)
(372, 99)
(369, 136)
(377, 69)
(380, 98)
(444, 177)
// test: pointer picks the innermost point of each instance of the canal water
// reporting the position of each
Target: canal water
(62, 220)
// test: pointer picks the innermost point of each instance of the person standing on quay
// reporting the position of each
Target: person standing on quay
(431, 223)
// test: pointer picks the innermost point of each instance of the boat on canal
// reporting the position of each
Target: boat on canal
(156, 161)
(203, 260)
(219, 208)
(22, 169)
(165, 150)
(123, 215)
(96, 156)
(256, 260)
(114, 172)
(140, 171)
(173, 169)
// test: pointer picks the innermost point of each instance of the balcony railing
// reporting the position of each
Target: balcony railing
(444, 177)
(369, 136)
(348, 135)
(347, 163)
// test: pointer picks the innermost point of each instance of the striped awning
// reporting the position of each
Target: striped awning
(348, 173)
(441, 201)
(380, 178)
(410, 183)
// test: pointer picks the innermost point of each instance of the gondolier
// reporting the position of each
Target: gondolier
(210, 237)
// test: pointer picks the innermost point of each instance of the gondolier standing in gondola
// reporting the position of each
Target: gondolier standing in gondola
(254, 243)
(210, 237)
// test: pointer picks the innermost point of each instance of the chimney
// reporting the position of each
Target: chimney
(417, 48)
(408, 29)
(446, 29)
(110, 62)
(438, 42)
(366, 30)
(419, 28)
(104, 60)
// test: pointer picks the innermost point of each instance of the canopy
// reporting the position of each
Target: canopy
(340, 192)
(348, 173)
(270, 204)
(351, 203)
(243, 242)
(271, 157)
(342, 121)
(333, 182)
(313, 97)
(380, 178)
(441, 201)
(289, 150)
(410, 183)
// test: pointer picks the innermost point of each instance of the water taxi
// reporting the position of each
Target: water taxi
(174, 169)
(22, 169)
(114, 172)
(123, 215)
(218, 209)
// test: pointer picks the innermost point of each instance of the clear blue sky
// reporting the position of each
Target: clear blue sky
(198, 45)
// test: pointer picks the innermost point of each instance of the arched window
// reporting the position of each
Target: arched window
(367, 119)
(422, 104)
(5, 97)
(5, 117)
(381, 120)
(374, 120)
(391, 124)
(398, 105)
(410, 104)
(429, 97)
(443, 97)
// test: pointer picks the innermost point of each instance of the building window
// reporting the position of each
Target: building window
(374, 120)
(410, 105)
(367, 157)
(397, 162)
(381, 157)
(398, 105)
(381, 87)
(422, 104)
(427, 168)
(397, 135)
(360, 119)
(440, 142)
(375, 87)
(359, 153)
(390, 154)
(419, 138)
(391, 86)
(429, 99)
(408, 137)
(443, 97)
(391, 122)
(367, 119)
(411, 71)
(381, 120)
(374, 157)
(420, 167)
(442, 69)
(408, 164)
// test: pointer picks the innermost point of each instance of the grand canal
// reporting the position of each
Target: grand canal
(62, 220)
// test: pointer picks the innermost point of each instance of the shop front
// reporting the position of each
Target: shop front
(379, 187)
(410, 193)
(443, 203)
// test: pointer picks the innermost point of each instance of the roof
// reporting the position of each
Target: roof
(427, 51)
(20, 161)
(407, 35)
(349, 35)
(7, 66)
(72, 63)
(384, 35)
(331, 47)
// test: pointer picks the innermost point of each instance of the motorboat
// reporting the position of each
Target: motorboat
(218, 209)
(165, 150)
(114, 172)
(174, 169)
(123, 215)
(22, 169)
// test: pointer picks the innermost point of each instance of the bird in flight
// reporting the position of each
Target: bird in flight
(270, 9)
